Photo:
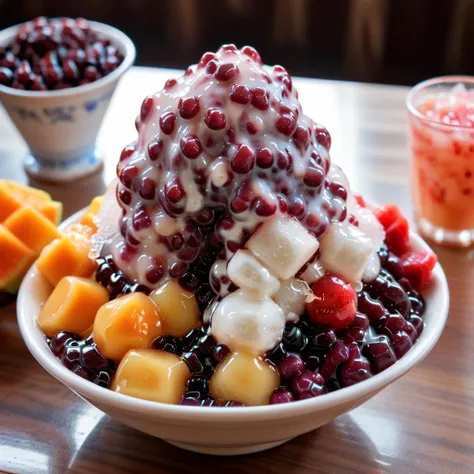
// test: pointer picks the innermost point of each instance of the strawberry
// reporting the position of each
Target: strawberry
(418, 266)
(335, 303)
(360, 200)
(397, 235)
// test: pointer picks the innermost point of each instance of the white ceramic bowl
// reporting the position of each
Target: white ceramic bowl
(60, 127)
(216, 430)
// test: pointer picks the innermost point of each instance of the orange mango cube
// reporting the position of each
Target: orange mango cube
(16, 258)
(68, 256)
(129, 322)
(72, 306)
(178, 308)
(244, 378)
(8, 204)
(152, 375)
(92, 211)
(32, 228)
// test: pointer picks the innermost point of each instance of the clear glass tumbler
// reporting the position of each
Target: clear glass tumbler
(441, 121)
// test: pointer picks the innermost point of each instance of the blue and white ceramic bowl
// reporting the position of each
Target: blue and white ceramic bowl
(60, 127)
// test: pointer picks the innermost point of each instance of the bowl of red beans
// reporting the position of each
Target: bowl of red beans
(57, 77)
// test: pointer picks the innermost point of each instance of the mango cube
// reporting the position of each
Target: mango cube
(68, 256)
(242, 377)
(32, 228)
(16, 258)
(152, 375)
(8, 204)
(92, 211)
(178, 308)
(130, 322)
(72, 306)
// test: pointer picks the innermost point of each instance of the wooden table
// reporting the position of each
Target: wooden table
(424, 423)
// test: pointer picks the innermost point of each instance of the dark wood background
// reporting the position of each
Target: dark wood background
(387, 41)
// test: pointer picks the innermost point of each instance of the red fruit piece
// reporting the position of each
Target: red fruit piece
(418, 266)
(360, 200)
(396, 227)
(335, 303)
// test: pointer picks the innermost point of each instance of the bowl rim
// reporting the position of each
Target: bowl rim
(93, 393)
(116, 35)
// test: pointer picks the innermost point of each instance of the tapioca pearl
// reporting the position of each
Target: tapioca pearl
(260, 98)
(252, 53)
(264, 158)
(246, 191)
(322, 136)
(281, 395)
(240, 94)
(170, 83)
(176, 242)
(127, 253)
(211, 66)
(282, 160)
(301, 137)
(191, 146)
(291, 366)
(192, 235)
(225, 223)
(215, 119)
(189, 71)
(205, 218)
(313, 177)
(146, 108)
(141, 219)
(167, 122)
(337, 189)
(90, 73)
(264, 208)
(282, 204)
(188, 107)
(124, 196)
(297, 207)
(174, 191)
(237, 205)
(233, 246)
(131, 239)
(178, 269)
(127, 152)
(252, 128)
(147, 188)
(156, 270)
(226, 72)
(316, 224)
(206, 57)
(243, 161)
(228, 49)
(342, 215)
(37, 83)
(188, 254)
(286, 124)
(155, 147)
(127, 175)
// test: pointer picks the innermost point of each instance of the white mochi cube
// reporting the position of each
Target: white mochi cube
(345, 251)
(247, 272)
(291, 298)
(283, 245)
(244, 321)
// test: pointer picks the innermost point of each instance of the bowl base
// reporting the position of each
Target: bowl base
(227, 450)
(53, 171)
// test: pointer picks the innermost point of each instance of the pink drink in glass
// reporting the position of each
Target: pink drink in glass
(441, 118)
